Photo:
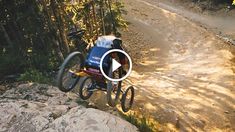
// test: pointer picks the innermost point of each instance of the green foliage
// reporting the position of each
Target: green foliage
(33, 75)
(96, 17)
(34, 33)
(141, 123)
(115, 16)
(82, 103)
(10, 64)
(217, 1)
(233, 2)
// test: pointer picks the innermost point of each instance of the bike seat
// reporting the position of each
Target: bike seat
(94, 57)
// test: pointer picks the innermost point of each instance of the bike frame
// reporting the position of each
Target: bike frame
(93, 73)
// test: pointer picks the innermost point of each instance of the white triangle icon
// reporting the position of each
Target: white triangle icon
(115, 65)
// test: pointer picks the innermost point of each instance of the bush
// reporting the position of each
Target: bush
(10, 64)
(141, 122)
(34, 75)
(214, 2)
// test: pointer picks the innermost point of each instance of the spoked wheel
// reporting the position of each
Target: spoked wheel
(114, 88)
(85, 90)
(67, 78)
(127, 99)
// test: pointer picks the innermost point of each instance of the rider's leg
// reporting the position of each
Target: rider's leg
(117, 45)
(123, 62)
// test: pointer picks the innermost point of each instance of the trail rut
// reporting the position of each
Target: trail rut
(184, 75)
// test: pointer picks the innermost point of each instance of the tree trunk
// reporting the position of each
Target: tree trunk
(6, 36)
(62, 43)
(102, 17)
(58, 51)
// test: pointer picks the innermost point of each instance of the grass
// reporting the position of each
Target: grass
(82, 102)
(33, 75)
(143, 122)
(140, 123)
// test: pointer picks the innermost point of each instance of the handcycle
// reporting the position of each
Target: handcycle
(77, 67)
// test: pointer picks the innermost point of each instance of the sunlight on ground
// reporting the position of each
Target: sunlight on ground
(149, 106)
(185, 72)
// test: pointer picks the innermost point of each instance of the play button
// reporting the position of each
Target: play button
(116, 65)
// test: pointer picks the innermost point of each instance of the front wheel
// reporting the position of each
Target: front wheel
(127, 99)
(114, 88)
(85, 90)
(67, 78)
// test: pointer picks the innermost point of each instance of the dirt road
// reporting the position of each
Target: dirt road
(184, 75)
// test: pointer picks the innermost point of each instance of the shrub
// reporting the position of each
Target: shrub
(141, 123)
(144, 124)
(10, 64)
(34, 75)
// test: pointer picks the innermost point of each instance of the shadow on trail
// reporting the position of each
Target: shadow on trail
(184, 98)
(184, 75)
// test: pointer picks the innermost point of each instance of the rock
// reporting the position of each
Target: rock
(200, 123)
(89, 120)
(35, 107)
(177, 125)
(2, 89)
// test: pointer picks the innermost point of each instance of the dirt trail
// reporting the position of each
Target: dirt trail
(182, 72)
(220, 22)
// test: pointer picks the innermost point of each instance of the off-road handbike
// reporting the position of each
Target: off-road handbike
(87, 69)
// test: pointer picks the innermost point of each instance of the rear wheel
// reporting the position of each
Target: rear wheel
(127, 99)
(67, 78)
(86, 87)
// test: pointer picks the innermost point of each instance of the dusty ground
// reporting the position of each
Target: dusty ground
(217, 18)
(184, 75)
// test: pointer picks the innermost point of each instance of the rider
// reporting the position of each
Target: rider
(115, 42)
(107, 41)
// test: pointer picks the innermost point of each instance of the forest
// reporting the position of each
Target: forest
(183, 75)
(34, 38)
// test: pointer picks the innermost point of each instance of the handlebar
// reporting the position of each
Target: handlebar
(76, 34)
